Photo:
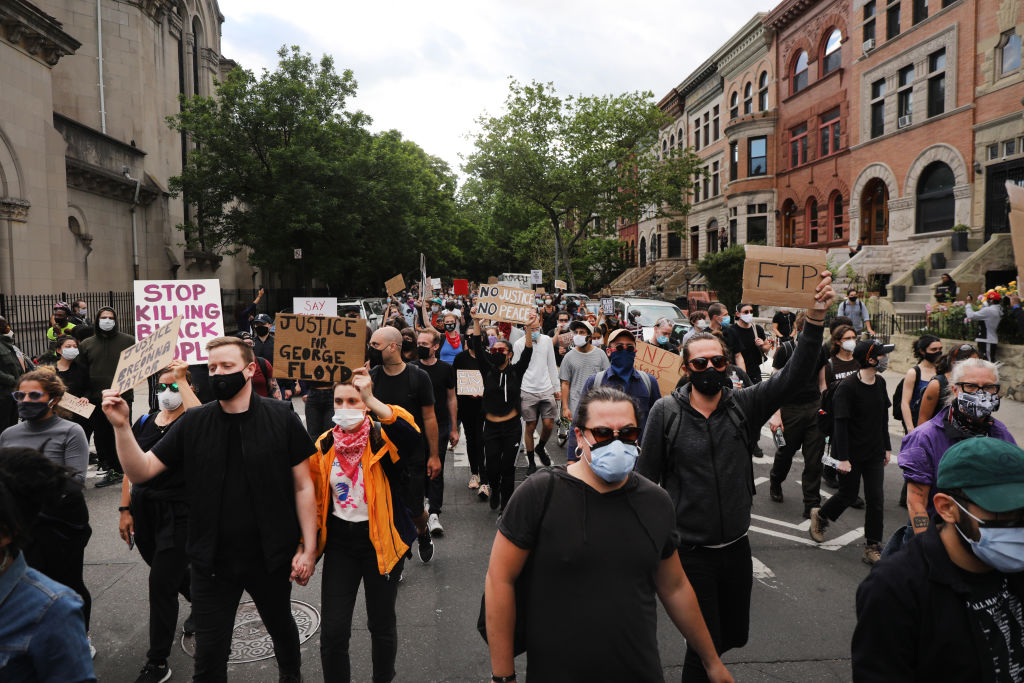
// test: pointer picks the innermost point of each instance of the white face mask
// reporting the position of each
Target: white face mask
(747, 318)
(106, 324)
(70, 353)
(169, 400)
(348, 418)
(580, 339)
(703, 324)
(849, 345)
(83, 312)
(598, 343)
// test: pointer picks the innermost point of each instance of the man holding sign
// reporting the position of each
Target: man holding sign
(251, 518)
(697, 444)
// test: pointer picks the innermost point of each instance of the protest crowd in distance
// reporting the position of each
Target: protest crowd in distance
(278, 444)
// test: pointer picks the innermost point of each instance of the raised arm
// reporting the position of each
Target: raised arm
(139, 467)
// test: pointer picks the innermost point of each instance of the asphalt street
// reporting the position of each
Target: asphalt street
(802, 613)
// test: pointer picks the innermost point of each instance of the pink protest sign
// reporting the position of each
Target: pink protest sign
(196, 302)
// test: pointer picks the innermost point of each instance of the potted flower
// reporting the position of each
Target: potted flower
(960, 232)
(919, 272)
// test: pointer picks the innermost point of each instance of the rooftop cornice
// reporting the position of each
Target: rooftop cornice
(35, 32)
(786, 12)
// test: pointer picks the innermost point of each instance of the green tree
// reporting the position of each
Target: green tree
(598, 261)
(724, 272)
(579, 158)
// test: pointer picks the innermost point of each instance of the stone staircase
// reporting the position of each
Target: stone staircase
(919, 295)
(632, 278)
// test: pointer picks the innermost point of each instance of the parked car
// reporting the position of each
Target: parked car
(647, 311)
(371, 310)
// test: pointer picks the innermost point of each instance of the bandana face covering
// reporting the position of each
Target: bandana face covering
(350, 446)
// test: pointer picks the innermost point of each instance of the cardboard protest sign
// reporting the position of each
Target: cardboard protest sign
(395, 285)
(318, 348)
(540, 290)
(666, 366)
(460, 287)
(607, 305)
(492, 280)
(1016, 196)
(470, 383)
(151, 354)
(315, 305)
(196, 302)
(536, 277)
(76, 405)
(502, 303)
(781, 276)
(560, 285)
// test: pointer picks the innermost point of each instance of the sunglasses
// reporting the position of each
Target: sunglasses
(163, 387)
(624, 434)
(623, 347)
(31, 395)
(502, 351)
(972, 388)
(1014, 523)
(701, 364)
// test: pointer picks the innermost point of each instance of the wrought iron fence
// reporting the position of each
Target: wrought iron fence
(29, 314)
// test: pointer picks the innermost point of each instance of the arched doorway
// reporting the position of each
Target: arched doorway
(874, 212)
(790, 222)
(936, 208)
(643, 251)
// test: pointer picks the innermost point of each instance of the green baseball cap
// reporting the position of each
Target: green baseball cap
(989, 471)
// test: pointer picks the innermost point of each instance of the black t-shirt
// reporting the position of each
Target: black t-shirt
(784, 320)
(76, 379)
(741, 341)
(593, 560)
(238, 536)
(840, 369)
(404, 390)
(997, 613)
(169, 484)
(442, 378)
(865, 407)
(808, 390)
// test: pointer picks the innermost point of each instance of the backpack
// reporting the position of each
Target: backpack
(600, 377)
(413, 382)
(826, 418)
(736, 416)
(897, 398)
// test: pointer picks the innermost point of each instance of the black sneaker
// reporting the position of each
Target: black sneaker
(495, 500)
(189, 627)
(425, 547)
(289, 677)
(531, 468)
(154, 673)
(109, 479)
(775, 492)
(858, 504)
(545, 459)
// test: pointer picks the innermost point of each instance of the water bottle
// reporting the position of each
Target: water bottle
(737, 383)
(827, 459)
(780, 440)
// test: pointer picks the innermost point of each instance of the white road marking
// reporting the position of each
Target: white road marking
(761, 570)
(803, 526)
(834, 544)
(760, 480)
(461, 458)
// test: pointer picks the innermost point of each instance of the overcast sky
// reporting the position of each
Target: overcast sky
(429, 69)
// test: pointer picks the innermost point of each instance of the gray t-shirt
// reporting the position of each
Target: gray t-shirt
(60, 440)
(857, 312)
(577, 367)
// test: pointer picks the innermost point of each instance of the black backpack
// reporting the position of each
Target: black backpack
(897, 398)
(826, 417)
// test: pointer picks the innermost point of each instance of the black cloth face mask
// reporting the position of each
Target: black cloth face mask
(226, 387)
(708, 382)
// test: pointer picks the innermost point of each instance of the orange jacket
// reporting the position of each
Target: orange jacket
(391, 527)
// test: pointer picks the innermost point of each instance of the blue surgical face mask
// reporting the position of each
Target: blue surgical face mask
(1002, 549)
(662, 339)
(534, 335)
(614, 461)
(726, 320)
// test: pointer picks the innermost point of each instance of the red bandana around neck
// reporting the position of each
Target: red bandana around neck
(453, 339)
(350, 446)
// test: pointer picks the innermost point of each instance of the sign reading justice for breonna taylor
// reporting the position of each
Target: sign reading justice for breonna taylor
(196, 302)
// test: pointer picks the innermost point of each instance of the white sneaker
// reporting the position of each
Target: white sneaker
(434, 525)
(474, 481)
(92, 649)
(484, 492)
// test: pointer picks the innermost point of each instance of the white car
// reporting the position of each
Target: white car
(647, 312)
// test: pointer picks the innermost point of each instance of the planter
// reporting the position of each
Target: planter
(938, 261)
(899, 293)
(919, 276)
(959, 241)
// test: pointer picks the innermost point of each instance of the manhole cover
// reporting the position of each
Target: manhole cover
(250, 641)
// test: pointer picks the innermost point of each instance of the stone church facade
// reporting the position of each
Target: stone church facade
(85, 151)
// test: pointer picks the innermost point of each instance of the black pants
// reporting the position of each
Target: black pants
(501, 446)
(349, 559)
(57, 548)
(987, 351)
(214, 604)
(435, 486)
(8, 412)
(723, 579)
(319, 411)
(473, 425)
(873, 473)
(103, 437)
(161, 529)
(800, 429)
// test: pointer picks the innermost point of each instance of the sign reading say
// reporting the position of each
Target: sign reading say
(315, 305)
(780, 276)
(195, 302)
(506, 304)
(667, 367)
(470, 383)
(151, 354)
(318, 348)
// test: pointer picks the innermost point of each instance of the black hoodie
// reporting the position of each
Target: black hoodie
(100, 353)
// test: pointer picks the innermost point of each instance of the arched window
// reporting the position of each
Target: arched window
(748, 98)
(197, 33)
(1008, 53)
(712, 236)
(734, 105)
(762, 92)
(672, 140)
(799, 79)
(812, 220)
(682, 139)
(836, 216)
(664, 147)
(643, 251)
(832, 54)
(935, 203)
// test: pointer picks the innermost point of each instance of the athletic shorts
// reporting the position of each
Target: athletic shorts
(532, 405)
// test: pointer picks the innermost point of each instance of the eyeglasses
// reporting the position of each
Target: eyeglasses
(173, 387)
(32, 395)
(623, 347)
(972, 388)
(701, 364)
(1013, 523)
(628, 434)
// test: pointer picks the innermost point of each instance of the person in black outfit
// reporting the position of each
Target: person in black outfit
(502, 387)
(74, 376)
(250, 505)
(783, 322)
(154, 516)
(472, 418)
(747, 340)
(860, 442)
(442, 381)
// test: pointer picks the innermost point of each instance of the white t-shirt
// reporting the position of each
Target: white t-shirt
(349, 497)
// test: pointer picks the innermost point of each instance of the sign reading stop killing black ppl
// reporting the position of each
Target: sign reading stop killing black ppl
(196, 302)
(318, 348)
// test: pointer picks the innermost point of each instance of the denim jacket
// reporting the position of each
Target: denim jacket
(42, 630)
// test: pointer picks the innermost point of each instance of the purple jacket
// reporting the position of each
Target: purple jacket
(922, 449)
